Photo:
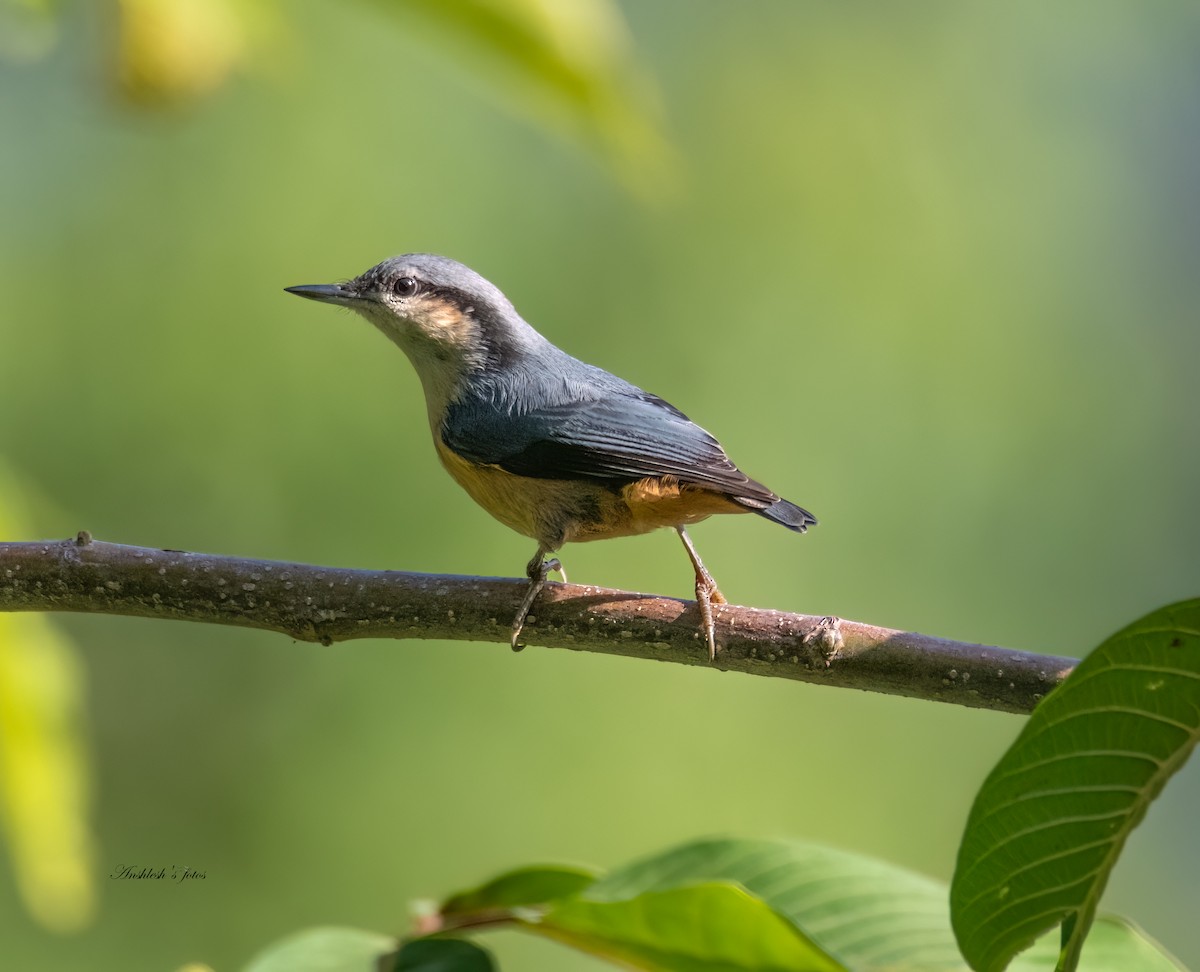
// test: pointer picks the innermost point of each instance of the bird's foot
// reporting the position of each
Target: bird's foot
(538, 570)
(707, 594)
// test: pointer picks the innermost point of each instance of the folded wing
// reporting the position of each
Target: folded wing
(612, 435)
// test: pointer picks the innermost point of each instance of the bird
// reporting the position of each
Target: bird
(556, 449)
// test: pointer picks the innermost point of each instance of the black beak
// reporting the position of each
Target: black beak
(327, 293)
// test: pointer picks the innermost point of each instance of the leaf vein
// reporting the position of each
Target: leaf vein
(1077, 754)
(1123, 709)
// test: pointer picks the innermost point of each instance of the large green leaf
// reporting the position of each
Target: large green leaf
(869, 914)
(1051, 819)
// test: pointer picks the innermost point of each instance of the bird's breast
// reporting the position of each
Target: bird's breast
(552, 511)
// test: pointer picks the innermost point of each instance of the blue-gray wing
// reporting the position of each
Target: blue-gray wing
(614, 435)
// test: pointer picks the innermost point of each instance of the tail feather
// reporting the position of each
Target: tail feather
(789, 515)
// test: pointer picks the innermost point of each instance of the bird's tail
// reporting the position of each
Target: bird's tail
(789, 515)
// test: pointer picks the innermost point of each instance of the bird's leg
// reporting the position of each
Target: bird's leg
(707, 594)
(537, 571)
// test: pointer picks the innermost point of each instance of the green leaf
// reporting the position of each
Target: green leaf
(326, 950)
(710, 927)
(1051, 819)
(443, 955)
(866, 913)
(522, 887)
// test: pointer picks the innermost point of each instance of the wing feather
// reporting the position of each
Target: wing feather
(614, 435)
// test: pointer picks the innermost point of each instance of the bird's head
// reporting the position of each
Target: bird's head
(449, 320)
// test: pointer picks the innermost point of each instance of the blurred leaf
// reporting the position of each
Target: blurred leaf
(28, 28)
(443, 955)
(175, 50)
(1114, 945)
(524, 886)
(710, 927)
(1051, 818)
(566, 65)
(569, 66)
(325, 950)
(44, 784)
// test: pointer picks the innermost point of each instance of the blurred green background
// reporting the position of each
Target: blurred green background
(928, 269)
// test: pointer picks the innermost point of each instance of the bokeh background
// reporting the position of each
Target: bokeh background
(928, 269)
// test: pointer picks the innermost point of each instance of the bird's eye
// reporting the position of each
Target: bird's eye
(405, 286)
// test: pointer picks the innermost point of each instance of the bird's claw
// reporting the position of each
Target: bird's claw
(707, 594)
(538, 571)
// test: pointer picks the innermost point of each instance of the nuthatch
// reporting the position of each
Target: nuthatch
(556, 449)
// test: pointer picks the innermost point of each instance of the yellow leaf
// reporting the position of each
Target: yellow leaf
(173, 50)
(44, 778)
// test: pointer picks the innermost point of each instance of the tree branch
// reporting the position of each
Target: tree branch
(327, 604)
